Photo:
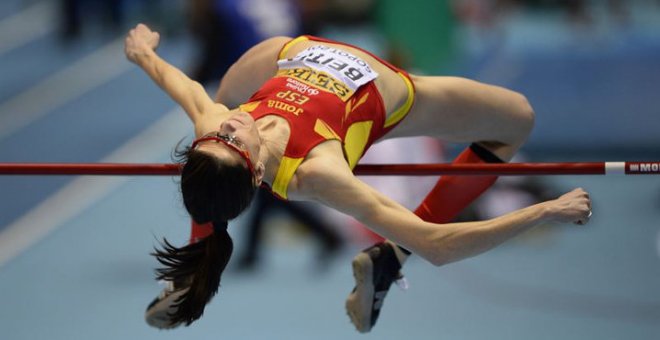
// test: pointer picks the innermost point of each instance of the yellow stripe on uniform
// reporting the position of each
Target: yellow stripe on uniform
(356, 140)
(403, 110)
(288, 167)
(249, 107)
(323, 129)
(290, 44)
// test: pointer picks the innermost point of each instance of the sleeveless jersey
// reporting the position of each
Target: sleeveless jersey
(324, 93)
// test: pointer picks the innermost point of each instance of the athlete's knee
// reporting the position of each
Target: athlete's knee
(524, 117)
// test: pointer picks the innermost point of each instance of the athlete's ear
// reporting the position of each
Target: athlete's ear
(259, 171)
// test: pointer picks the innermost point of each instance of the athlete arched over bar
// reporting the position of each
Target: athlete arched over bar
(296, 115)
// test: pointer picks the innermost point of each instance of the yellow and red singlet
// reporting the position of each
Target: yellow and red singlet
(324, 94)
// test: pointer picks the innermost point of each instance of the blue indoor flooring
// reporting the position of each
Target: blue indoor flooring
(92, 276)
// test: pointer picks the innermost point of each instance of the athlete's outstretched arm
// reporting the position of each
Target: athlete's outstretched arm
(141, 43)
(249, 72)
(438, 243)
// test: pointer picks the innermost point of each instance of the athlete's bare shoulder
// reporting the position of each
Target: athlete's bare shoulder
(313, 173)
(252, 69)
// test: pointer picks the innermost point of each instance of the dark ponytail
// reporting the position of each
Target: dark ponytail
(213, 191)
(200, 266)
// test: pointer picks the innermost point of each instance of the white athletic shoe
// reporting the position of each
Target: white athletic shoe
(159, 310)
(374, 269)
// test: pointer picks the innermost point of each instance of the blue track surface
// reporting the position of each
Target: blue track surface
(91, 277)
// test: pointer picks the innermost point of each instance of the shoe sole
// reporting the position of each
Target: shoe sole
(157, 315)
(359, 303)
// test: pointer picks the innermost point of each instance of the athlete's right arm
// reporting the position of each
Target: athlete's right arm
(335, 186)
(140, 47)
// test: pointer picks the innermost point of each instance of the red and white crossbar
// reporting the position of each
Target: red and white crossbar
(506, 169)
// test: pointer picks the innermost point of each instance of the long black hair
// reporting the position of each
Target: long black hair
(214, 192)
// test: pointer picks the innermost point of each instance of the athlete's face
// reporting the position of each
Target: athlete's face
(236, 141)
(244, 129)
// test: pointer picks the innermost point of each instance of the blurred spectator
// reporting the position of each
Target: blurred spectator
(243, 23)
(77, 16)
(485, 13)
(225, 29)
(75, 12)
(308, 215)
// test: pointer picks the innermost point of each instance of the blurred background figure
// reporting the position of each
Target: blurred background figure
(304, 217)
(239, 25)
(77, 17)
(77, 13)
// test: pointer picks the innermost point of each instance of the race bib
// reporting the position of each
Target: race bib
(346, 71)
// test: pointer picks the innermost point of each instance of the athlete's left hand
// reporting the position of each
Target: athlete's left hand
(140, 41)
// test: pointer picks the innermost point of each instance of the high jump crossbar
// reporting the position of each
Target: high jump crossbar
(506, 169)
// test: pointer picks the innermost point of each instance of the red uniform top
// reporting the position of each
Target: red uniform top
(319, 94)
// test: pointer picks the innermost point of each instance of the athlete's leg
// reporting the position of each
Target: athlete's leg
(465, 111)
(495, 119)
(457, 110)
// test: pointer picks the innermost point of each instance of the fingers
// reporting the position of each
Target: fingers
(584, 220)
(142, 29)
(140, 37)
(585, 196)
(582, 202)
(587, 212)
(573, 207)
